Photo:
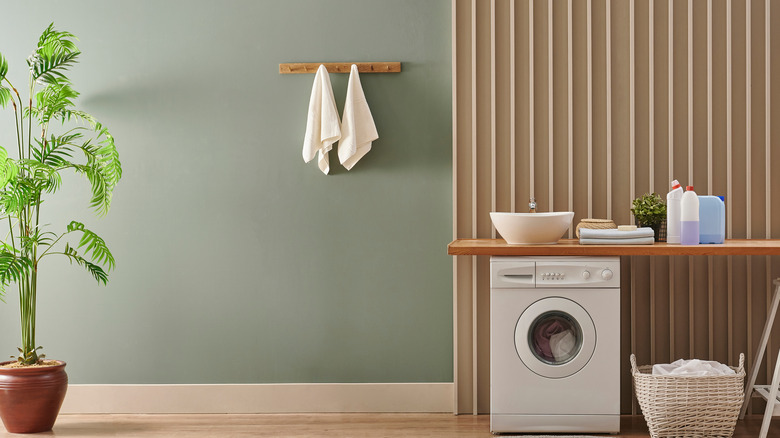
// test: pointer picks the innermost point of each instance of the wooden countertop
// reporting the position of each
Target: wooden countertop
(571, 247)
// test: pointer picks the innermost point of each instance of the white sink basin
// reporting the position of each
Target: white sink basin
(532, 228)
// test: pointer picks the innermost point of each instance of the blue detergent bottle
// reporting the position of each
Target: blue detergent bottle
(712, 219)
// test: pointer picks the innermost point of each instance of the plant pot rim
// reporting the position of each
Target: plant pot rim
(31, 370)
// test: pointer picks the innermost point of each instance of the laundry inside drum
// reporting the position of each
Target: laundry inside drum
(555, 337)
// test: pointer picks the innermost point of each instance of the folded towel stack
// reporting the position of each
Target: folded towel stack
(640, 236)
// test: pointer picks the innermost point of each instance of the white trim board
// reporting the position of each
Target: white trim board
(259, 398)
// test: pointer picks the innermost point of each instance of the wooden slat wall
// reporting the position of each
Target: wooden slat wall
(585, 105)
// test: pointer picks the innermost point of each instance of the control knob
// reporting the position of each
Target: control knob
(606, 274)
(586, 274)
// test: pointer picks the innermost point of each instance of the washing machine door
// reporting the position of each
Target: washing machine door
(555, 337)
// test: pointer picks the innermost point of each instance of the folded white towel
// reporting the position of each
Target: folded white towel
(358, 129)
(634, 241)
(323, 127)
(589, 233)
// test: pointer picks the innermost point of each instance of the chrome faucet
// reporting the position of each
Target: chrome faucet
(532, 205)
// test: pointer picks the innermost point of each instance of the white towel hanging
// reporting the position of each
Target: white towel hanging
(323, 127)
(357, 127)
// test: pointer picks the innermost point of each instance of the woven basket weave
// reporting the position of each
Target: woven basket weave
(689, 406)
(595, 224)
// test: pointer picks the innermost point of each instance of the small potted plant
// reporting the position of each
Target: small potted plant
(52, 137)
(649, 210)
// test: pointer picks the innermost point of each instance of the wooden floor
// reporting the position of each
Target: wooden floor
(315, 425)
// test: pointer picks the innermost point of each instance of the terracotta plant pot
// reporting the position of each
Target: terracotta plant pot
(31, 397)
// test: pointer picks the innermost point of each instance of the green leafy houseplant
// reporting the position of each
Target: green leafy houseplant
(649, 210)
(82, 145)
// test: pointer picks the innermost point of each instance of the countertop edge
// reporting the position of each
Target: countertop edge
(571, 247)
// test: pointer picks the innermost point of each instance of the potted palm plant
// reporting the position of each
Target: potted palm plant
(52, 137)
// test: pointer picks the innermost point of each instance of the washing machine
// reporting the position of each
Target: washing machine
(555, 344)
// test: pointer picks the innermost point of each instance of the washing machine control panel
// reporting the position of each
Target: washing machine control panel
(590, 273)
(518, 272)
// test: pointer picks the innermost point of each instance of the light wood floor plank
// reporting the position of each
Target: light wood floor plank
(315, 425)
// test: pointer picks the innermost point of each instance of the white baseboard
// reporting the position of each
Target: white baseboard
(259, 398)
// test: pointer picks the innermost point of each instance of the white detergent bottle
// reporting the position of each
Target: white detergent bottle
(689, 217)
(673, 206)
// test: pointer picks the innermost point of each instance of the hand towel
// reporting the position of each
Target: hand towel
(358, 129)
(634, 241)
(323, 127)
(589, 233)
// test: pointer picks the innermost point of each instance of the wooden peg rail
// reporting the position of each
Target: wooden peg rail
(340, 67)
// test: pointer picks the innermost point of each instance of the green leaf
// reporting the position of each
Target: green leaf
(5, 93)
(55, 53)
(97, 272)
(5, 96)
(94, 243)
(103, 169)
(52, 101)
(8, 168)
(3, 67)
(60, 39)
(13, 267)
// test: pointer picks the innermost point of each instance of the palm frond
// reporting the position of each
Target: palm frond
(8, 168)
(13, 267)
(5, 92)
(56, 151)
(94, 243)
(41, 176)
(52, 101)
(51, 67)
(103, 169)
(18, 194)
(3, 67)
(55, 53)
(60, 39)
(97, 272)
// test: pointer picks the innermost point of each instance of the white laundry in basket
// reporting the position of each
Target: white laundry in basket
(693, 367)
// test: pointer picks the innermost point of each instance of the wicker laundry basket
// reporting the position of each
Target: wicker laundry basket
(689, 406)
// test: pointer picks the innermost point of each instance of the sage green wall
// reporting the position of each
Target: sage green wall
(237, 262)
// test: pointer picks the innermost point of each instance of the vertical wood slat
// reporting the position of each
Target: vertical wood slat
(710, 292)
(474, 291)
(651, 91)
(632, 168)
(767, 161)
(550, 114)
(748, 167)
(512, 117)
(768, 123)
(632, 100)
(690, 90)
(455, 175)
(670, 53)
(589, 75)
(690, 172)
(651, 153)
(531, 143)
(608, 104)
(729, 179)
(570, 105)
(587, 118)
(709, 97)
(493, 111)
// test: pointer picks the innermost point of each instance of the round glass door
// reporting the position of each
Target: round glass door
(555, 337)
